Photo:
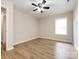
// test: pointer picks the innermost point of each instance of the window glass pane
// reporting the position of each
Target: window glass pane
(61, 26)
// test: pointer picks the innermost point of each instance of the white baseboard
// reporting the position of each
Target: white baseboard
(16, 43)
(11, 48)
(46, 38)
(8, 49)
(56, 39)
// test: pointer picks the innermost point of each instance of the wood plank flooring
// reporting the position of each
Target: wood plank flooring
(41, 49)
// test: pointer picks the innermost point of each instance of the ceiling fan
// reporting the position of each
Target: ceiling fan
(40, 6)
(68, 0)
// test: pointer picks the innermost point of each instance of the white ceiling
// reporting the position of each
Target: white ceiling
(56, 6)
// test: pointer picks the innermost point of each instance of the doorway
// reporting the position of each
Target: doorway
(3, 28)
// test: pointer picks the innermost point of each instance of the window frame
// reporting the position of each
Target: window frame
(58, 18)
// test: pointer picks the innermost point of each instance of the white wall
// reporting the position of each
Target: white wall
(25, 27)
(9, 18)
(75, 27)
(47, 27)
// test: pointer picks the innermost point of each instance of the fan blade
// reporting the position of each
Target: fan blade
(34, 4)
(35, 9)
(46, 7)
(43, 2)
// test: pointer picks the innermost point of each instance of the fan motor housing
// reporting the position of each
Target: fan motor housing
(40, 5)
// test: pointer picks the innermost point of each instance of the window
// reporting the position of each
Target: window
(61, 26)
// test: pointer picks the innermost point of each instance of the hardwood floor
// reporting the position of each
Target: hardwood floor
(41, 49)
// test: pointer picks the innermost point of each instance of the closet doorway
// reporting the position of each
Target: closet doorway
(3, 28)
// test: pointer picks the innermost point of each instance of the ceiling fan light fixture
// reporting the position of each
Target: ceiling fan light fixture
(39, 10)
(40, 7)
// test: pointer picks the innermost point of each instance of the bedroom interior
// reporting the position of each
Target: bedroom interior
(39, 29)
